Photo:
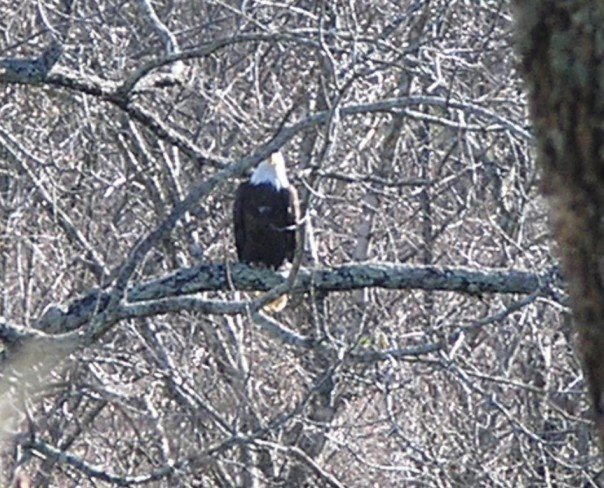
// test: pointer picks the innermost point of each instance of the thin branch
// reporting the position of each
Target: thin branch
(397, 353)
(13, 148)
(365, 179)
(298, 454)
(181, 387)
(76, 462)
(277, 330)
(167, 36)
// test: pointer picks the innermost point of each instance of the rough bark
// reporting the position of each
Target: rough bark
(562, 49)
(215, 277)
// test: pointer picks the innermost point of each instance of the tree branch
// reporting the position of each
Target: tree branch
(219, 277)
(11, 149)
(30, 70)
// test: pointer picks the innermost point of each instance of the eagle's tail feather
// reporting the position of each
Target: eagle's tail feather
(276, 305)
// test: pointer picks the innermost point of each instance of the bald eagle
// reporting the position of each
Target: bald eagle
(265, 215)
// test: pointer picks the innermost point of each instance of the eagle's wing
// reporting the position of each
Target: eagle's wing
(239, 220)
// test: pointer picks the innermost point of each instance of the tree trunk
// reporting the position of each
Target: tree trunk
(562, 49)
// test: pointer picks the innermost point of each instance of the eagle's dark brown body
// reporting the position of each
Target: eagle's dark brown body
(265, 215)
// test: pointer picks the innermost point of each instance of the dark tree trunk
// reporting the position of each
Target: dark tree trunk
(562, 49)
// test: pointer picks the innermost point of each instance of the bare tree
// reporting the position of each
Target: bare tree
(426, 340)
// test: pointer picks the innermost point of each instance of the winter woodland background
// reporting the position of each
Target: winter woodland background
(404, 126)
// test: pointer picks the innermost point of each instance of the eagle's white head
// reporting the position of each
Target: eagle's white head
(271, 171)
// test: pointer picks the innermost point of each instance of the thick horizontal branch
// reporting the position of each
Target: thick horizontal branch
(224, 277)
(82, 321)
(220, 277)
